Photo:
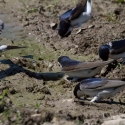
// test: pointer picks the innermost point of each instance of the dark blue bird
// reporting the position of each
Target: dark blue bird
(1, 26)
(99, 88)
(75, 17)
(113, 50)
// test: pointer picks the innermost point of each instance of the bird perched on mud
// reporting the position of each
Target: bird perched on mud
(7, 47)
(79, 69)
(75, 17)
(113, 50)
(99, 88)
(1, 26)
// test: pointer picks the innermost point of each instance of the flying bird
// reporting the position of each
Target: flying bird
(79, 69)
(99, 88)
(114, 50)
(75, 17)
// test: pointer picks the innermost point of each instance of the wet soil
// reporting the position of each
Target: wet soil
(32, 88)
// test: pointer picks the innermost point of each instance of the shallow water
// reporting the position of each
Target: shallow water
(12, 28)
(15, 33)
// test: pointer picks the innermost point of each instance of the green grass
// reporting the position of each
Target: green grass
(120, 1)
(111, 17)
(119, 65)
(3, 94)
(37, 105)
(27, 8)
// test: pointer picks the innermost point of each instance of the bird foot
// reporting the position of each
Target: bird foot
(95, 99)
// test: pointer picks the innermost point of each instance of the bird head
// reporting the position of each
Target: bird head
(63, 59)
(64, 28)
(77, 92)
(104, 52)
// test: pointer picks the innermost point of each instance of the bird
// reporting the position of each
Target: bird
(99, 88)
(1, 26)
(7, 47)
(75, 17)
(114, 50)
(79, 69)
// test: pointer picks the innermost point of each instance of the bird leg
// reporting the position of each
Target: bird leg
(107, 93)
(95, 98)
(102, 94)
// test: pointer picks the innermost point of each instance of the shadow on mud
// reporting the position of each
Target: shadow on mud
(14, 69)
(28, 56)
(86, 101)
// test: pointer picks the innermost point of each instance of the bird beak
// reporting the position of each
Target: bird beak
(15, 47)
(59, 64)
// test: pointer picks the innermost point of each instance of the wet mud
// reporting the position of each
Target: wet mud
(33, 90)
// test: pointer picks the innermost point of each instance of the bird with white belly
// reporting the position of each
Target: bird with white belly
(75, 17)
(99, 88)
(79, 69)
(114, 50)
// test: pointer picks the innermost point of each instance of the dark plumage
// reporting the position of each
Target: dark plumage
(63, 28)
(113, 50)
(74, 18)
(104, 52)
(99, 88)
(66, 61)
(1, 26)
(8, 47)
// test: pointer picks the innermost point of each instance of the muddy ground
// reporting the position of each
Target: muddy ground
(30, 93)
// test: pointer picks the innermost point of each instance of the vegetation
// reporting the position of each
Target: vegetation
(120, 1)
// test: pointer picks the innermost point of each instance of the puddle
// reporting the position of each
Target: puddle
(15, 34)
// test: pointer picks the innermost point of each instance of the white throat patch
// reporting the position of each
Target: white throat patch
(110, 44)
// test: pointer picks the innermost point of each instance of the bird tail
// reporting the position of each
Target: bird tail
(123, 79)
(15, 47)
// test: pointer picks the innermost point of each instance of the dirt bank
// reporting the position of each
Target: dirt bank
(27, 96)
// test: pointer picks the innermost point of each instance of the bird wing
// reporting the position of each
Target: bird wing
(65, 15)
(92, 83)
(100, 83)
(118, 47)
(75, 12)
(85, 65)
